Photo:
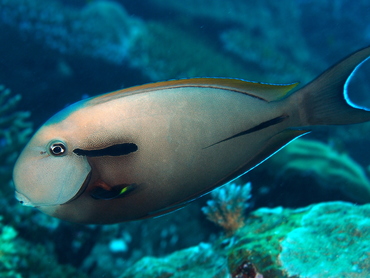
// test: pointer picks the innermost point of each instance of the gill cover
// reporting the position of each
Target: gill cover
(51, 165)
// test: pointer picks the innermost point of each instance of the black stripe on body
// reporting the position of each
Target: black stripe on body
(262, 125)
(115, 150)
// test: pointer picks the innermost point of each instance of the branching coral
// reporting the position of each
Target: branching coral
(15, 130)
(19, 258)
(228, 205)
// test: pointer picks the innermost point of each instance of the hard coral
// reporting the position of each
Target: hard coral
(15, 130)
(333, 241)
(252, 30)
(165, 51)
(319, 241)
(20, 258)
(102, 29)
(329, 167)
(199, 261)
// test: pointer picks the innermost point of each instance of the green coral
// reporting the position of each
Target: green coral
(15, 131)
(330, 167)
(272, 63)
(266, 34)
(200, 260)
(21, 259)
(15, 127)
(7, 251)
(165, 51)
(100, 29)
(323, 240)
(258, 242)
(334, 238)
(110, 30)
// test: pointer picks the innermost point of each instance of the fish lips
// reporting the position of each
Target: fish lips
(26, 202)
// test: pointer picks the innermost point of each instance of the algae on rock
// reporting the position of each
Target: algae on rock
(278, 243)
(333, 241)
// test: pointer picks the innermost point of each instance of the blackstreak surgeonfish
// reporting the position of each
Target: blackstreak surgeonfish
(148, 150)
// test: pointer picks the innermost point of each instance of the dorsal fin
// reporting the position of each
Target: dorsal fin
(267, 92)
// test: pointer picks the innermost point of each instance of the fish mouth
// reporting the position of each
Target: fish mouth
(26, 202)
(82, 189)
(23, 199)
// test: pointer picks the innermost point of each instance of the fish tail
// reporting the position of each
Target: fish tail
(325, 100)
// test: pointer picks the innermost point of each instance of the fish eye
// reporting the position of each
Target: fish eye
(57, 149)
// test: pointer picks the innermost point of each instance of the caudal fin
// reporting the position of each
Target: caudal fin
(325, 99)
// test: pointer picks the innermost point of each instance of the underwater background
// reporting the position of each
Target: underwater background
(302, 213)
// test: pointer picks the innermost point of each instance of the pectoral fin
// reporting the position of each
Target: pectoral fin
(103, 191)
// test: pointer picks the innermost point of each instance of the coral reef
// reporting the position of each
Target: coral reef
(227, 206)
(126, 243)
(334, 238)
(102, 29)
(257, 33)
(166, 52)
(15, 131)
(329, 167)
(268, 59)
(19, 258)
(323, 240)
(341, 18)
(198, 261)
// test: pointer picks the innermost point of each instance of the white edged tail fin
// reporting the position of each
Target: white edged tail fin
(325, 99)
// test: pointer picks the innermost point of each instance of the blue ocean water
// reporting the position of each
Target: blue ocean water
(56, 52)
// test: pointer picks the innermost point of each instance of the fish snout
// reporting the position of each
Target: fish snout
(23, 199)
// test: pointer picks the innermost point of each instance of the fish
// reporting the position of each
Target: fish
(144, 151)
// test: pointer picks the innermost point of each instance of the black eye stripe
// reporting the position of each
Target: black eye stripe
(115, 150)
